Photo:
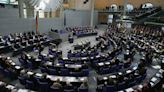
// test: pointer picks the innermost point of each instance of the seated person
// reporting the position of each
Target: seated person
(30, 77)
(36, 40)
(57, 84)
(70, 39)
(68, 86)
(127, 62)
(17, 39)
(2, 58)
(45, 79)
(30, 41)
(1, 39)
(84, 85)
(23, 73)
(3, 87)
(24, 58)
(142, 70)
(32, 33)
(110, 81)
(142, 63)
(147, 88)
(4, 62)
(39, 47)
(23, 43)
(31, 37)
(16, 46)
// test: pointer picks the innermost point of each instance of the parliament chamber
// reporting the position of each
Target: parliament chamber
(81, 46)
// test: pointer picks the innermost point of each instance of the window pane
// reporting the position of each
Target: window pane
(3, 1)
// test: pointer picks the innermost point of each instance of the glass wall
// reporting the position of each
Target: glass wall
(9, 2)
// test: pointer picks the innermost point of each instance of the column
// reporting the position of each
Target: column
(50, 13)
(125, 6)
(61, 8)
(21, 8)
(30, 11)
(92, 12)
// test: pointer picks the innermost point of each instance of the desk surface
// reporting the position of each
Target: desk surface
(62, 78)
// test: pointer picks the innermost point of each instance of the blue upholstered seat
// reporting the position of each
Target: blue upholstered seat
(52, 71)
(43, 86)
(121, 86)
(109, 88)
(54, 89)
(22, 80)
(30, 84)
(64, 72)
(68, 90)
(82, 89)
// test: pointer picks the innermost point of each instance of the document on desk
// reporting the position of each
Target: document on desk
(128, 71)
(100, 64)
(152, 84)
(10, 87)
(30, 73)
(17, 67)
(158, 75)
(105, 78)
(154, 79)
(23, 90)
(38, 74)
(112, 76)
(129, 90)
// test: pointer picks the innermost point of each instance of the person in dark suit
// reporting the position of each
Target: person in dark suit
(142, 71)
(142, 63)
(84, 85)
(110, 81)
(24, 57)
(3, 87)
(147, 88)
(23, 73)
(4, 62)
(31, 77)
(45, 79)
(39, 47)
(70, 39)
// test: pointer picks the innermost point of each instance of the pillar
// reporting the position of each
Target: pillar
(30, 11)
(92, 12)
(125, 6)
(21, 8)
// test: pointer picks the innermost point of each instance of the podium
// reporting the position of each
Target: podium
(70, 40)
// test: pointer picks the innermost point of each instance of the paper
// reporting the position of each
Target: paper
(154, 79)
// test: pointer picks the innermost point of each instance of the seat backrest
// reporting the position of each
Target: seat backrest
(109, 88)
(29, 82)
(43, 86)
(22, 80)
(68, 90)
(54, 89)
(52, 71)
(82, 89)
(121, 85)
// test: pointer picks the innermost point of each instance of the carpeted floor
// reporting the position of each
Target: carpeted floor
(65, 46)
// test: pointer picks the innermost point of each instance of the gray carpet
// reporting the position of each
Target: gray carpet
(65, 46)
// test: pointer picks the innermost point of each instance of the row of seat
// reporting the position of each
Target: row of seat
(20, 42)
(16, 72)
(76, 70)
(81, 31)
(82, 54)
